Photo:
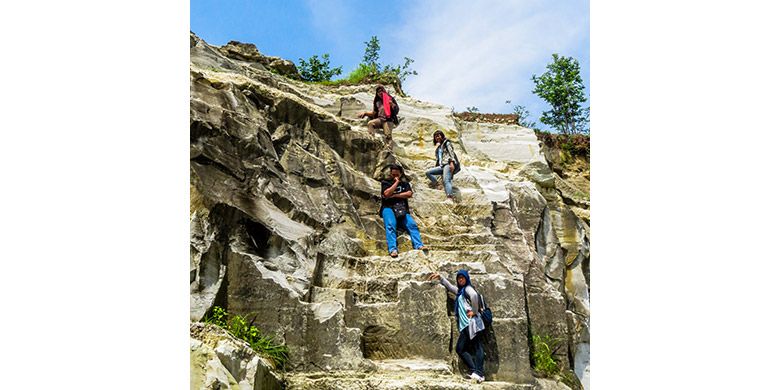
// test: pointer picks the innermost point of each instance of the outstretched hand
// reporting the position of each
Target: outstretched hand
(434, 276)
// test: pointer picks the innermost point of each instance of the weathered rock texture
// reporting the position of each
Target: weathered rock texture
(220, 361)
(285, 230)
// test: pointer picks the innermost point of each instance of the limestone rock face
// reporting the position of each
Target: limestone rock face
(285, 231)
(248, 54)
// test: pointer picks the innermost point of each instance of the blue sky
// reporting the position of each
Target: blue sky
(467, 53)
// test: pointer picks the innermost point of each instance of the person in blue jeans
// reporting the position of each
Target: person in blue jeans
(395, 210)
(466, 299)
(447, 164)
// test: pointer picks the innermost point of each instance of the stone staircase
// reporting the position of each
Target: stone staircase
(289, 232)
(406, 322)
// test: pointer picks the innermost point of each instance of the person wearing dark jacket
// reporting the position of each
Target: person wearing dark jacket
(447, 164)
(382, 114)
(466, 306)
(395, 210)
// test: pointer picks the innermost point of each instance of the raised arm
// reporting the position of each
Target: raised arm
(388, 193)
(449, 286)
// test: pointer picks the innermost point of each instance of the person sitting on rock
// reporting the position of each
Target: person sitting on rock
(395, 210)
(382, 115)
(447, 164)
(466, 298)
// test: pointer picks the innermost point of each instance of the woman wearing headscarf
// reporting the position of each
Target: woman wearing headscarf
(466, 300)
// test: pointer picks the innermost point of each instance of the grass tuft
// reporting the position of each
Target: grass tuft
(239, 327)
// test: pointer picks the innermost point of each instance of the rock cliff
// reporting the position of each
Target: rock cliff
(285, 229)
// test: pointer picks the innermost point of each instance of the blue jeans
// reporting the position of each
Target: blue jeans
(390, 229)
(446, 175)
(467, 347)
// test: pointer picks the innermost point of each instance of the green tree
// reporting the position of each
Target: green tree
(370, 70)
(523, 117)
(371, 55)
(401, 71)
(316, 69)
(561, 86)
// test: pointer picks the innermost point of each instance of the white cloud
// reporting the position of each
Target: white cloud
(331, 20)
(470, 54)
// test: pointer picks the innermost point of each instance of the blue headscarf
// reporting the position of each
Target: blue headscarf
(461, 290)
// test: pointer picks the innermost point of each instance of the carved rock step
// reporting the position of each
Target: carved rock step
(344, 281)
(463, 239)
(439, 224)
(436, 229)
(335, 267)
(379, 246)
(392, 380)
(469, 242)
(381, 285)
(325, 294)
(414, 366)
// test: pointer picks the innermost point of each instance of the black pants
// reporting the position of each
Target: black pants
(470, 350)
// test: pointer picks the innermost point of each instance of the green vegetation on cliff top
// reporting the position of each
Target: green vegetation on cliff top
(369, 71)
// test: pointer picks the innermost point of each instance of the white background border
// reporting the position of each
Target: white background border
(96, 181)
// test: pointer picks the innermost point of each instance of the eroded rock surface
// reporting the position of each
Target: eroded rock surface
(285, 231)
(220, 361)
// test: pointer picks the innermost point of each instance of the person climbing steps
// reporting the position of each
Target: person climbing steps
(384, 114)
(447, 164)
(395, 193)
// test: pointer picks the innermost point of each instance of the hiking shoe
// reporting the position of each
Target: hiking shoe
(394, 254)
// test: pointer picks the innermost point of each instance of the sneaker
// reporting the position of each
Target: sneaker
(481, 379)
(475, 377)
(394, 254)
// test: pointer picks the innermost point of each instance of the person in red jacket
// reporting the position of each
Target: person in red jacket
(382, 114)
